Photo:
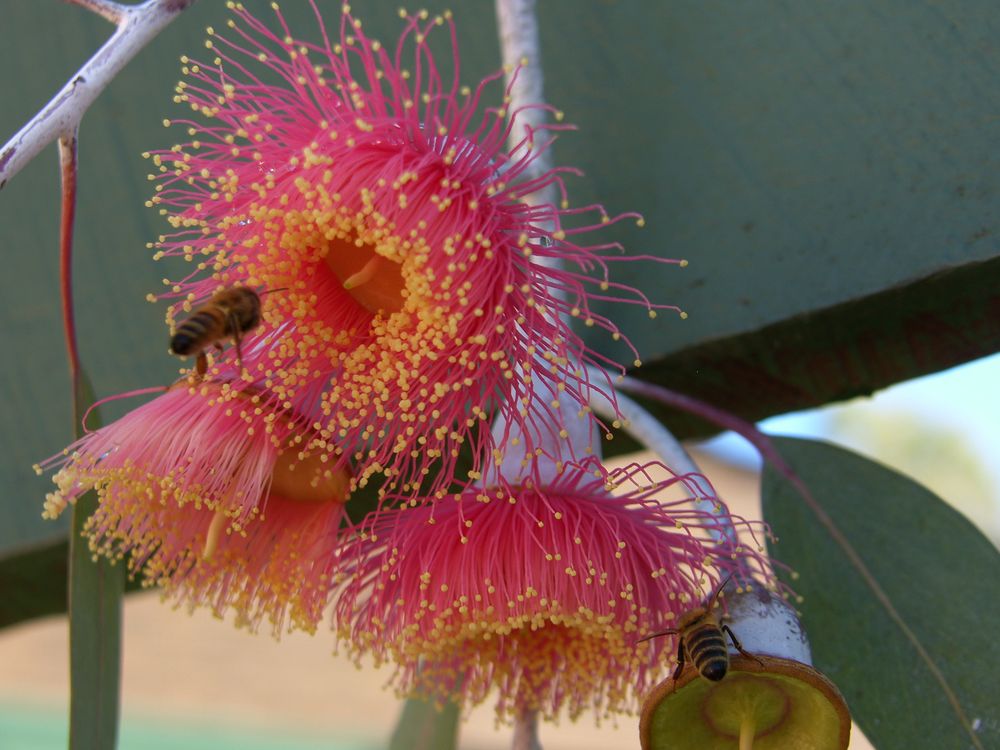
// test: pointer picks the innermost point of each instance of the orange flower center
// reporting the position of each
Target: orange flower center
(309, 479)
(374, 281)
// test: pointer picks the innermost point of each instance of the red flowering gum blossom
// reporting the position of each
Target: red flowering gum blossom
(208, 494)
(377, 194)
(539, 593)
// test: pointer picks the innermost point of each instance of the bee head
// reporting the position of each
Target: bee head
(181, 344)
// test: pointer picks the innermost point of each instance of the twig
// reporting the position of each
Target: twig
(522, 57)
(526, 731)
(649, 431)
(68, 171)
(522, 62)
(137, 25)
(106, 9)
(719, 417)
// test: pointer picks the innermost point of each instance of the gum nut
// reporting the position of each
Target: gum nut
(763, 703)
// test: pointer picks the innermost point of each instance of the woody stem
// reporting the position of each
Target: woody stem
(137, 25)
(526, 731)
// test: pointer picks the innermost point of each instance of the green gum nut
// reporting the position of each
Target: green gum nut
(772, 699)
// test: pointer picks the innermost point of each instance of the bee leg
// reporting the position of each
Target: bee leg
(739, 646)
(234, 325)
(201, 364)
(680, 658)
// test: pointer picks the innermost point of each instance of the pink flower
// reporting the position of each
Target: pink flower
(377, 193)
(539, 592)
(206, 491)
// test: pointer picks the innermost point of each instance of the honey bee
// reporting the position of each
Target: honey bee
(702, 641)
(230, 313)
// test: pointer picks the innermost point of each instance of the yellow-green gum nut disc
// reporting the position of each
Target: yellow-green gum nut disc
(776, 705)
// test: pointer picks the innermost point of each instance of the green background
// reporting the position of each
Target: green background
(800, 155)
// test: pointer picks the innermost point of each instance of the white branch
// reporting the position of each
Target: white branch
(137, 25)
(521, 53)
(649, 431)
(107, 9)
(520, 47)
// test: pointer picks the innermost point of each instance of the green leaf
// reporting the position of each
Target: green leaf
(837, 353)
(425, 726)
(829, 171)
(96, 589)
(95, 621)
(33, 580)
(901, 597)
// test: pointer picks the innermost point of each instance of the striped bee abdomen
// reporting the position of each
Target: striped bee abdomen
(706, 647)
(702, 640)
(194, 333)
(230, 313)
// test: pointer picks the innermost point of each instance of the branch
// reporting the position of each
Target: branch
(522, 64)
(526, 731)
(522, 61)
(649, 431)
(106, 9)
(713, 414)
(68, 168)
(137, 25)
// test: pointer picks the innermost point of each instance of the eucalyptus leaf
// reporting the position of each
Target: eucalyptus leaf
(901, 597)
(34, 580)
(95, 616)
(96, 590)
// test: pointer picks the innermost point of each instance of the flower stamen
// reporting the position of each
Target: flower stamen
(212, 535)
(363, 276)
(373, 281)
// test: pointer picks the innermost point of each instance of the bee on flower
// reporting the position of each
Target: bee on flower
(375, 188)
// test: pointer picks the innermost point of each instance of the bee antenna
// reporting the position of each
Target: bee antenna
(279, 289)
(715, 596)
(657, 635)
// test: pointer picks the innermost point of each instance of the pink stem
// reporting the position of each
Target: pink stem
(110, 11)
(747, 430)
(68, 167)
